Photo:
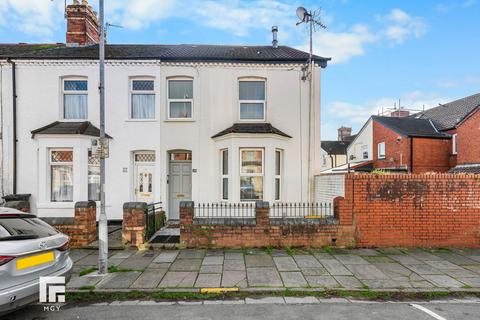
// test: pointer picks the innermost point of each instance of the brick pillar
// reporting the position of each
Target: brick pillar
(262, 213)
(85, 222)
(186, 221)
(343, 206)
(134, 223)
(21, 205)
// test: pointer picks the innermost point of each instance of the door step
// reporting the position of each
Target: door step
(166, 236)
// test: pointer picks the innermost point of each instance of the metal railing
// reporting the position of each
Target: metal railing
(303, 210)
(224, 213)
(151, 226)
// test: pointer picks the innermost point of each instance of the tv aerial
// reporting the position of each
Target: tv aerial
(311, 17)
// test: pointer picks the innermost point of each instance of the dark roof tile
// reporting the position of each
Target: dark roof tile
(57, 127)
(256, 128)
(411, 127)
(335, 146)
(466, 168)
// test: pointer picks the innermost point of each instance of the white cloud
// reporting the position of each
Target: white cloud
(40, 18)
(400, 26)
(357, 114)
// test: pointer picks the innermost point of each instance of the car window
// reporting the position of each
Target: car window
(15, 226)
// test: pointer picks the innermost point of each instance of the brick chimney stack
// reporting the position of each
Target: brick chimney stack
(82, 24)
(344, 132)
(400, 113)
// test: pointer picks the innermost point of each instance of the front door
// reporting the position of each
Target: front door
(144, 176)
(180, 186)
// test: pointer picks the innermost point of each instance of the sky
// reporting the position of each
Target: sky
(419, 52)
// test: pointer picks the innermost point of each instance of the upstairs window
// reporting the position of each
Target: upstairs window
(381, 150)
(142, 99)
(252, 100)
(75, 96)
(364, 151)
(61, 175)
(180, 99)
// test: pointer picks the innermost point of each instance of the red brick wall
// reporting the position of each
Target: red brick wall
(134, 223)
(261, 234)
(468, 140)
(431, 155)
(439, 210)
(397, 152)
(84, 229)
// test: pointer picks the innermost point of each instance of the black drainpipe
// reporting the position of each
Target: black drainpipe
(411, 154)
(14, 102)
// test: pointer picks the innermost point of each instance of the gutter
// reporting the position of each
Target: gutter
(14, 111)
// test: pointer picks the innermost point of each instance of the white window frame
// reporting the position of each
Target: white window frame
(454, 143)
(278, 176)
(73, 92)
(379, 147)
(51, 164)
(224, 175)
(179, 100)
(264, 102)
(364, 146)
(262, 174)
(131, 92)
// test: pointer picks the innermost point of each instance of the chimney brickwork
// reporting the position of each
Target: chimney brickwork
(82, 24)
(344, 132)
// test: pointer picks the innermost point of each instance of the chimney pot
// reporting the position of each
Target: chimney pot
(274, 34)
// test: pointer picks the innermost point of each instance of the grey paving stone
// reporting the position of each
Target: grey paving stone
(455, 258)
(293, 279)
(443, 265)
(443, 281)
(380, 283)
(229, 255)
(378, 259)
(348, 282)
(122, 255)
(335, 267)
(162, 265)
(211, 269)
(215, 252)
(365, 252)
(234, 279)
(322, 281)
(322, 255)
(474, 268)
(234, 265)
(396, 271)
(285, 264)
(174, 279)
(166, 256)
(85, 281)
(136, 262)
(315, 272)
(212, 260)
(149, 278)
(186, 265)
(208, 280)
(350, 259)
(263, 277)
(267, 300)
(423, 255)
(258, 261)
(77, 254)
(306, 261)
(422, 269)
(119, 280)
(366, 271)
(472, 282)
(279, 253)
(191, 254)
(405, 259)
(89, 260)
(116, 261)
(420, 284)
(389, 251)
(301, 300)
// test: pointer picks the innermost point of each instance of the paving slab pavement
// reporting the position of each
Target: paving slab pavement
(189, 269)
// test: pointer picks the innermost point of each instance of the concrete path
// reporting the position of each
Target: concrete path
(266, 308)
(390, 269)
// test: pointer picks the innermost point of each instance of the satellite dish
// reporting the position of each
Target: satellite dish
(302, 13)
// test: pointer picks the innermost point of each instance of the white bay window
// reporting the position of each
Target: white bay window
(61, 175)
(224, 169)
(251, 174)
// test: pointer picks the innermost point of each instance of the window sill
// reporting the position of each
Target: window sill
(179, 120)
(252, 120)
(381, 158)
(141, 120)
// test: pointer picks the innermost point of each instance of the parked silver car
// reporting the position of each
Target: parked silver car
(29, 249)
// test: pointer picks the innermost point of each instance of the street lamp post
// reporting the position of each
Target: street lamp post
(102, 223)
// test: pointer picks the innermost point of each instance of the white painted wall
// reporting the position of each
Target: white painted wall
(215, 108)
(363, 138)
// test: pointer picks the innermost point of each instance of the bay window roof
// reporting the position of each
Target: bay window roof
(68, 127)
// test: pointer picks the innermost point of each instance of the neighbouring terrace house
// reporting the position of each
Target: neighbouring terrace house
(334, 152)
(208, 123)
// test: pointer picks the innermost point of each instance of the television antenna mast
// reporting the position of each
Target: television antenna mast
(312, 19)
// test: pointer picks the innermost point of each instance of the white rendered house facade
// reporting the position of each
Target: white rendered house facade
(180, 129)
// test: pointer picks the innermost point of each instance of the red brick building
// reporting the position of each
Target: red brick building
(461, 119)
